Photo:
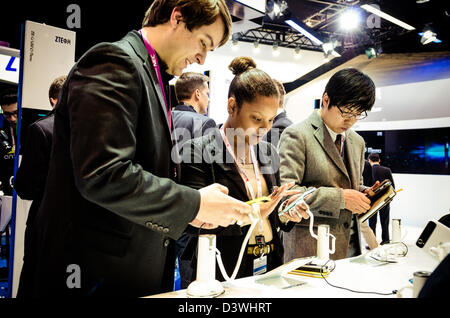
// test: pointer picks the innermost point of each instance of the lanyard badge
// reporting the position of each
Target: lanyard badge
(151, 51)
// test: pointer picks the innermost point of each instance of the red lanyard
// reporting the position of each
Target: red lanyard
(242, 172)
(151, 51)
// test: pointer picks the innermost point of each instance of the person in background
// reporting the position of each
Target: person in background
(248, 167)
(32, 174)
(281, 121)
(192, 92)
(189, 120)
(380, 173)
(366, 231)
(8, 102)
(112, 207)
(323, 152)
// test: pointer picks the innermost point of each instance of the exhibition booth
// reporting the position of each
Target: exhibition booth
(408, 127)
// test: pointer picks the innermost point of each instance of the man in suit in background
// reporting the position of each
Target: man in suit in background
(32, 173)
(380, 173)
(281, 121)
(323, 152)
(112, 207)
(366, 231)
(8, 103)
(189, 120)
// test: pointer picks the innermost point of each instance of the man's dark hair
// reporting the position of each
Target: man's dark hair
(187, 83)
(8, 97)
(56, 86)
(196, 13)
(374, 157)
(351, 89)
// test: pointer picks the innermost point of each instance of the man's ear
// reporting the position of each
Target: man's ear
(197, 94)
(176, 17)
(325, 100)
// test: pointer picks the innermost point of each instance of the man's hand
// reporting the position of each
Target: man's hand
(356, 201)
(217, 208)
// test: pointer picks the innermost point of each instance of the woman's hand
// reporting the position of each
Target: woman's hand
(298, 212)
(280, 192)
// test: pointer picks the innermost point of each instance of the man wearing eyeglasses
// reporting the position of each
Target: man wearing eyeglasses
(323, 152)
(8, 102)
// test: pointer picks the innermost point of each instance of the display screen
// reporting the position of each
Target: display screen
(421, 151)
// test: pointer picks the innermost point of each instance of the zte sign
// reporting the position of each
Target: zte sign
(9, 68)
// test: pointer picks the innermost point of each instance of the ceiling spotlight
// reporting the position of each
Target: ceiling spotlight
(428, 37)
(297, 54)
(349, 19)
(275, 50)
(234, 46)
(276, 8)
(328, 49)
(371, 53)
(256, 49)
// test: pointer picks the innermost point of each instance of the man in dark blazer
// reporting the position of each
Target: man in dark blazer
(312, 154)
(380, 173)
(112, 208)
(281, 121)
(32, 173)
(189, 119)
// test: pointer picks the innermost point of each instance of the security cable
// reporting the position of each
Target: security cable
(348, 289)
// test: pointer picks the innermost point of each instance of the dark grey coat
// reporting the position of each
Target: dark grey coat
(112, 205)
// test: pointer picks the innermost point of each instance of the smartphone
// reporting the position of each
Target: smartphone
(374, 193)
(298, 200)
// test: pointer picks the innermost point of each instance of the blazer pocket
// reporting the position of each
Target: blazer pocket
(111, 242)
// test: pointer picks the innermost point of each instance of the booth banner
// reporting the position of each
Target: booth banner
(9, 65)
(48, 52)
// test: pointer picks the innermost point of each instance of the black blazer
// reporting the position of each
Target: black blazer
(30, 185)
(215, 165)
(280, 122)
(189, 124)
(380, 173)
(32, 173)
(111, 204)
(367, 174)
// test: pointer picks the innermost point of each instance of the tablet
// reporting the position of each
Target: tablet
(379, 201)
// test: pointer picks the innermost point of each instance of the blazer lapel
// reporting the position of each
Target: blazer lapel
(324, 139)
(136, 42)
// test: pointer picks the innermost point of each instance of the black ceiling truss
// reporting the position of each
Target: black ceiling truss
(283, 38)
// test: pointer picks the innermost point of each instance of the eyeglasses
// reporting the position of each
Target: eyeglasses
(351, 115)
(10, 114)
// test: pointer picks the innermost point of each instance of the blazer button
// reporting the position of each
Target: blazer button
(165, 230)
(148, 224)
(154, 227)
(160, 228)
(166, 243)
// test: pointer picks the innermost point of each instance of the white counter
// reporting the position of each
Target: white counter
(360, 273)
